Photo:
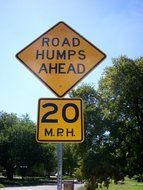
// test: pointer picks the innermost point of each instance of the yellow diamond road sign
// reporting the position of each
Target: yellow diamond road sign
(60, 58)
(60, 120)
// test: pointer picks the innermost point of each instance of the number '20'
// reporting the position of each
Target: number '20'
(45, 118)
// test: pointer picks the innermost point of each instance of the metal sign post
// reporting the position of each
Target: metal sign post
(59, 177)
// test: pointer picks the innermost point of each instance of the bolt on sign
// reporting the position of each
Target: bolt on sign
(60, 58)
(60, 120)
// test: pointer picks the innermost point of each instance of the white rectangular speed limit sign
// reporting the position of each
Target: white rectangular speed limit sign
(60, 120)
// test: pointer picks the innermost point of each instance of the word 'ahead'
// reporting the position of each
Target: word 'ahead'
(60, 58)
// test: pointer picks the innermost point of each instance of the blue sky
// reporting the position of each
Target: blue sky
(115, 27)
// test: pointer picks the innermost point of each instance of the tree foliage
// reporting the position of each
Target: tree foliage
(93, 121)
(70, 159)
(113, 124)
(92, 152)
(19, 149)
(121, 89)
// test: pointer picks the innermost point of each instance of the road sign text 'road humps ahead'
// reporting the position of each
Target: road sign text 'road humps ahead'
(60, 58)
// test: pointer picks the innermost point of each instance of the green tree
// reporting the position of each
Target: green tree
(121, 89)
(48, 158)
(7, 121)
(19, 149)
(94, 160)
(93, 119)
(69, 159)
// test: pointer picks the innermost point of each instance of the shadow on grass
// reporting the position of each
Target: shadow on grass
(27, 181)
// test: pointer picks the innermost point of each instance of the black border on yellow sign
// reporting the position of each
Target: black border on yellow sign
(62, 141)
(80, 78)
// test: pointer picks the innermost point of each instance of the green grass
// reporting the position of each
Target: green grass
(129, 185)
(1, 185)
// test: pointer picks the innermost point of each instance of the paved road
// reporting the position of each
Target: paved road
(41, 187)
